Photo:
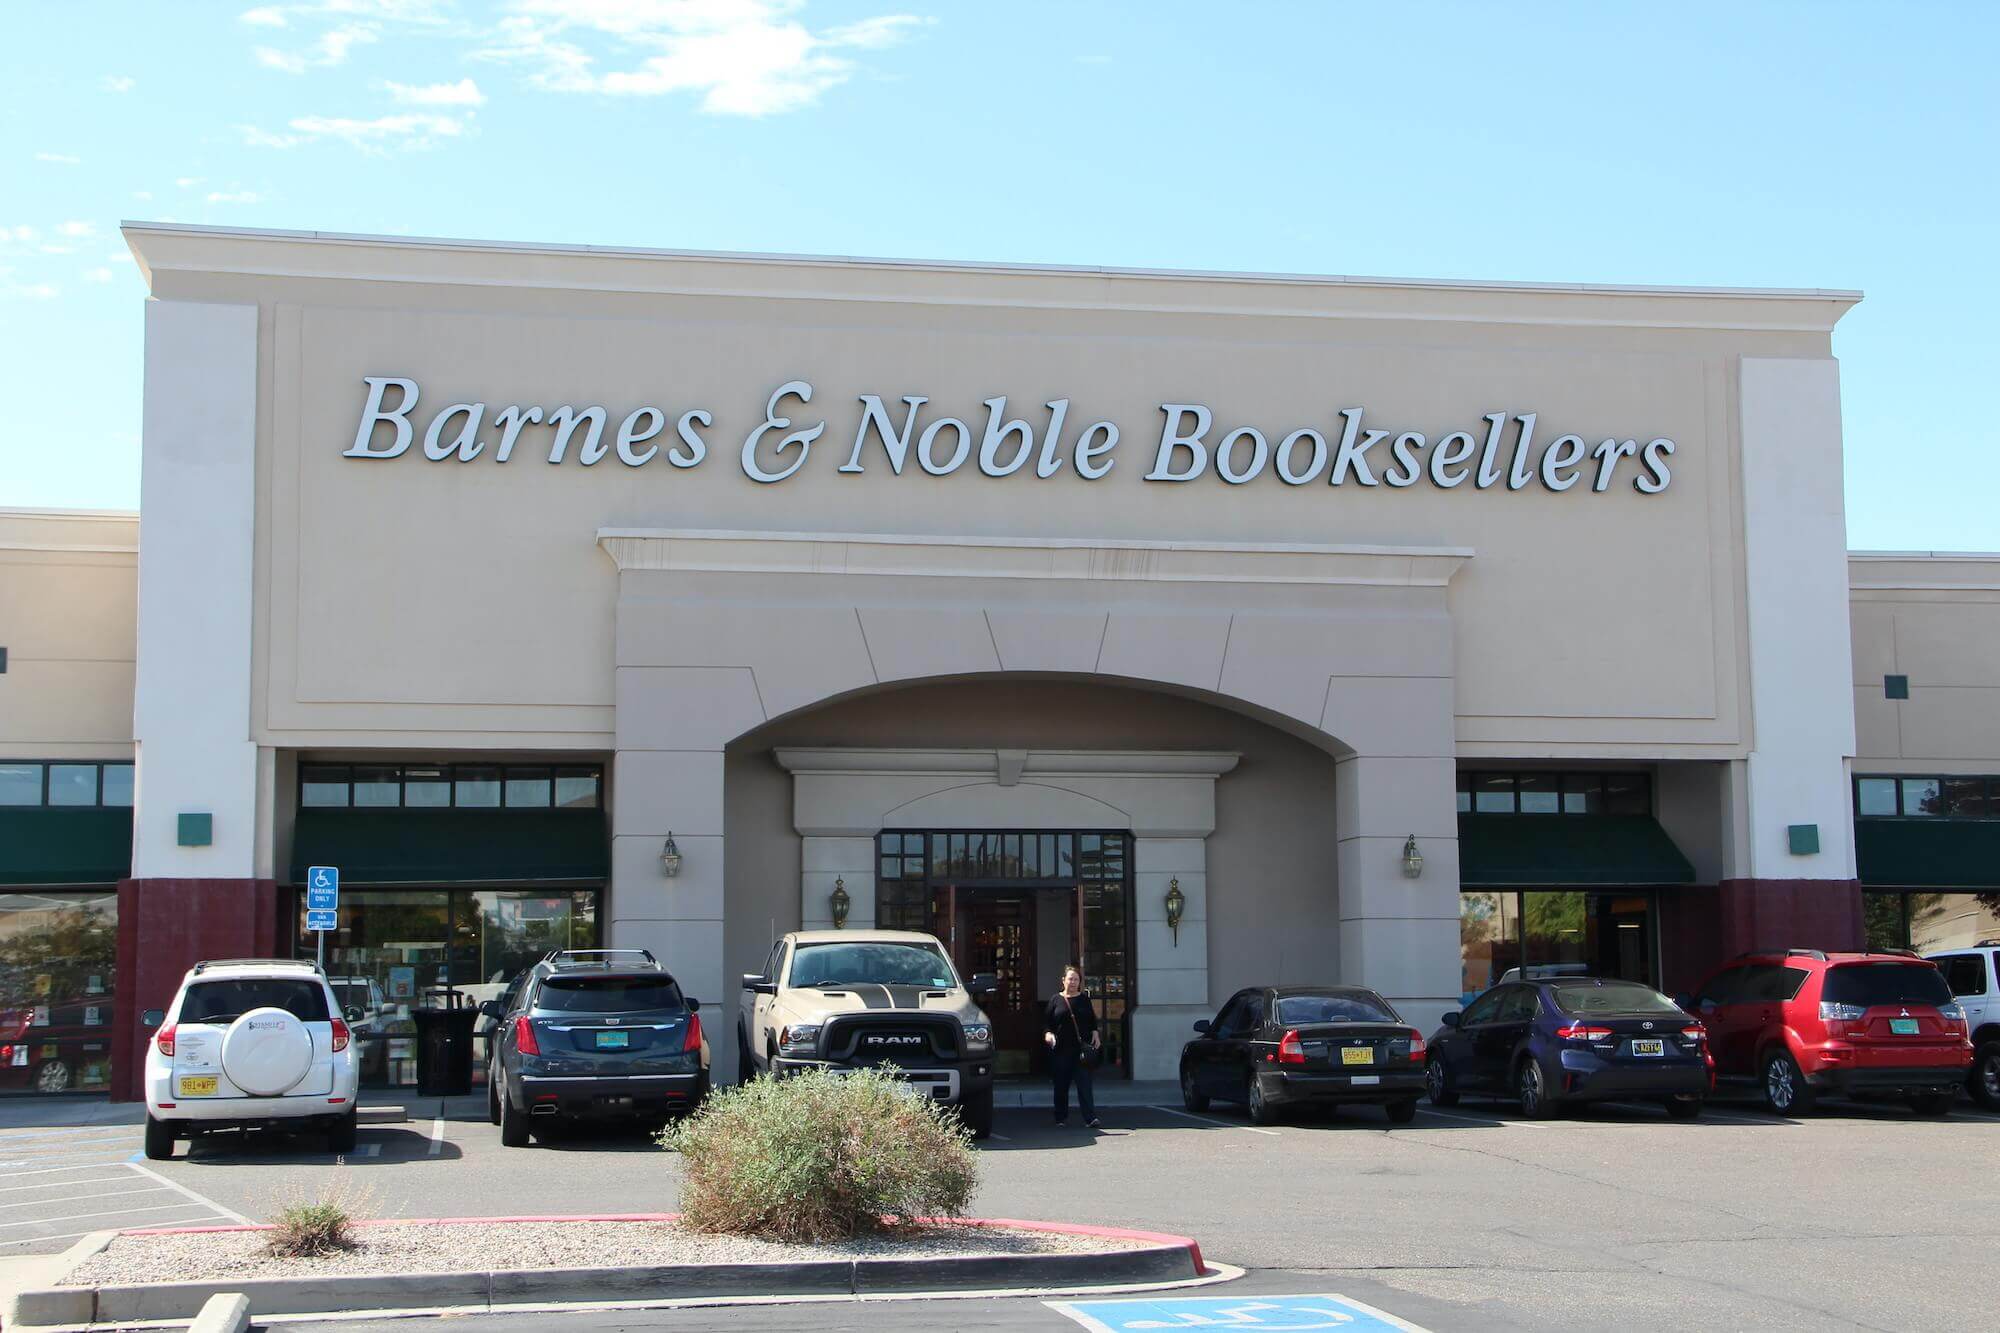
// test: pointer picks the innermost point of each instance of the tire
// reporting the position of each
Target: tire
(1938, 1103)
(1786, 1091)
(492, 1096)
(1531, 1088)
(977, 1113)
(513, 1124)
(1401, 1113)
(1984, 1080)
(1192, 1100)
(341, 1138)
(159, 1140)
(1261, 1111)
(1684, 1108)
(1439, 1085)
(746, 1064)
(53, 1076)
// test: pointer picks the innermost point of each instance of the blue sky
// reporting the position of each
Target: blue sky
(1805, 145)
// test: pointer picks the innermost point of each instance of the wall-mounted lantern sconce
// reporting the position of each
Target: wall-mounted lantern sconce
(670, 857)
(840, 902)
(1176, 905)
(1413, 860)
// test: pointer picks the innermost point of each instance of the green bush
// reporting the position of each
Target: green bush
(308, 1229)
(821, 1156)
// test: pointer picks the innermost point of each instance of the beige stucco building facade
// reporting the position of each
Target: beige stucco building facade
(1001, 600)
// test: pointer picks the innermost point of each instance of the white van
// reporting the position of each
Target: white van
(250, 1043)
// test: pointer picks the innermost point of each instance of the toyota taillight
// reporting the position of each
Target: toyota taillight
(1417, 1047)
(339, 1035)
(524, 1037)
(1695, 1033)
(164, 1039)
(1583, 1032)
(1291, 1051)
(693, 1040)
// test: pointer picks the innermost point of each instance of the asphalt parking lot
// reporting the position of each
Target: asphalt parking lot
(1861, 1217)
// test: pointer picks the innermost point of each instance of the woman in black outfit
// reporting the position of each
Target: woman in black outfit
(1070, 1030)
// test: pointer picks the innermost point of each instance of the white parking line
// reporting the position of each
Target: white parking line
(62, 1184)
(1189, 1115)
(69, 1235)
(187, 1193)
(437, 1136)
(109, 1212)
(1474, 1120)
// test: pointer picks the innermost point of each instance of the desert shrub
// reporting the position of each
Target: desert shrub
(821, 1156)
(306, 1228)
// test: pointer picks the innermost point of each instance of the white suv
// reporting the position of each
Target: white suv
(1974, 977)
(250, 1043)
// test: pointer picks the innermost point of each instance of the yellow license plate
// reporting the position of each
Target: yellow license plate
(1356, 1055)
(199, 1086)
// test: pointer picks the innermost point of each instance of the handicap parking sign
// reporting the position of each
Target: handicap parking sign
(318, 920)
(1252, 1314)
(322, 889)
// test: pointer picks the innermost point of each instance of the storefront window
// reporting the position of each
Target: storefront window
(1562, 932)
(117, 784)
(20, 784)
(1928, 922)
(72, 784)
(1876, 796)
(476, 787)
(377, 787)
(58, 953)
(398, 950)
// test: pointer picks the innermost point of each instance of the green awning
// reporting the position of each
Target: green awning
(1536, 851)
(1928, 853)
(452, 846)
(60, 845)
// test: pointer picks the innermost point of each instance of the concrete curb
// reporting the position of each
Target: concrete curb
(1162, 1258)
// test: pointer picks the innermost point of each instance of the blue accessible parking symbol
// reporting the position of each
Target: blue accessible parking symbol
(1253, 1314)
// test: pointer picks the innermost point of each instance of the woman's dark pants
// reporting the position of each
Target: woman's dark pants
(1066, 1067)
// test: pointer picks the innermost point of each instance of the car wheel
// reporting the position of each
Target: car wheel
(1531, 1087)
(159, 1140)
(513, 1124)
(493, 1095)
(1785, 1088)
(1401, 1113)
(1438, 1084)
(1938, 1103)
(341, 1138)
(1192, 1100)
(746, 1065)
(1684, 1108)
(52, 1077)
(1985, 1078)
(1261, 1111)
(977, 1112)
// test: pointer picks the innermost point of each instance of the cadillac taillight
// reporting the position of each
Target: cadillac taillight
(693, 1039)
(524, 1037)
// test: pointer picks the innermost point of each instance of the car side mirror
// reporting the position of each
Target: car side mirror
(1201, 1025)
(694, 1005)
(354, 1015)
(490, 1009)
(152, 1018)
(1451, 1020)
(984, 983)
(755, 983)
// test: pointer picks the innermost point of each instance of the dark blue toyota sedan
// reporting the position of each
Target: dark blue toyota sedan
(1562, 1040)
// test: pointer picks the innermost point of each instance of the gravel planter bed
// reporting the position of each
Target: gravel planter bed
(467, 1247)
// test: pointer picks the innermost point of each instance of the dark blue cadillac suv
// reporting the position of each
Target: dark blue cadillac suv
(1555, 1040)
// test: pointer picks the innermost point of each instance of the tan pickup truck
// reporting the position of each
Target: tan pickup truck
(858, 999)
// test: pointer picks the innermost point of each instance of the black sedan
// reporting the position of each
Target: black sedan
(1272, 1047)
(1548, 1042)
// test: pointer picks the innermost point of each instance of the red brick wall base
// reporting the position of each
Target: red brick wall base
(1703, 925)
(166, 926)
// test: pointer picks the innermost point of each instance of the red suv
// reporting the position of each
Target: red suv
(1802, 1022)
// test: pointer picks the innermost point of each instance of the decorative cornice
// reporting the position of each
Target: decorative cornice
(988, 763)
(1058, 558)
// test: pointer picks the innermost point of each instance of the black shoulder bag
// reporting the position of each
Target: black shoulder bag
(1086, 1054)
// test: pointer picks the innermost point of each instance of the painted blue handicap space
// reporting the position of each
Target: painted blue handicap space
(1253, 1314)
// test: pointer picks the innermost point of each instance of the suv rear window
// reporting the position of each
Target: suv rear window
(225, 1001)
(1885, 983)
(606, 995)
(1613, 999)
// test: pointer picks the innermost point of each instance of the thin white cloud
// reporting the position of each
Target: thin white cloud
(62, 159)
(235, 197)
(262, 138)
(142, 195)
(408, 130)
(77, 229)
(463, 93)
(264, 16)
(331, 49)
(20, 234)
(119, 257)
(35, 291)
(97, 275)
(740, 57)
(117, 83)
(187, 182)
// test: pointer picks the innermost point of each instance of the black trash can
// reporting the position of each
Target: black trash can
(444, 1045)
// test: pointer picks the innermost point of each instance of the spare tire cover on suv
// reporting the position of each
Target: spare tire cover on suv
(266, 1052)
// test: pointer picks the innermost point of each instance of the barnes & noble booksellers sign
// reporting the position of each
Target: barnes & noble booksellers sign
(1503, 450)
